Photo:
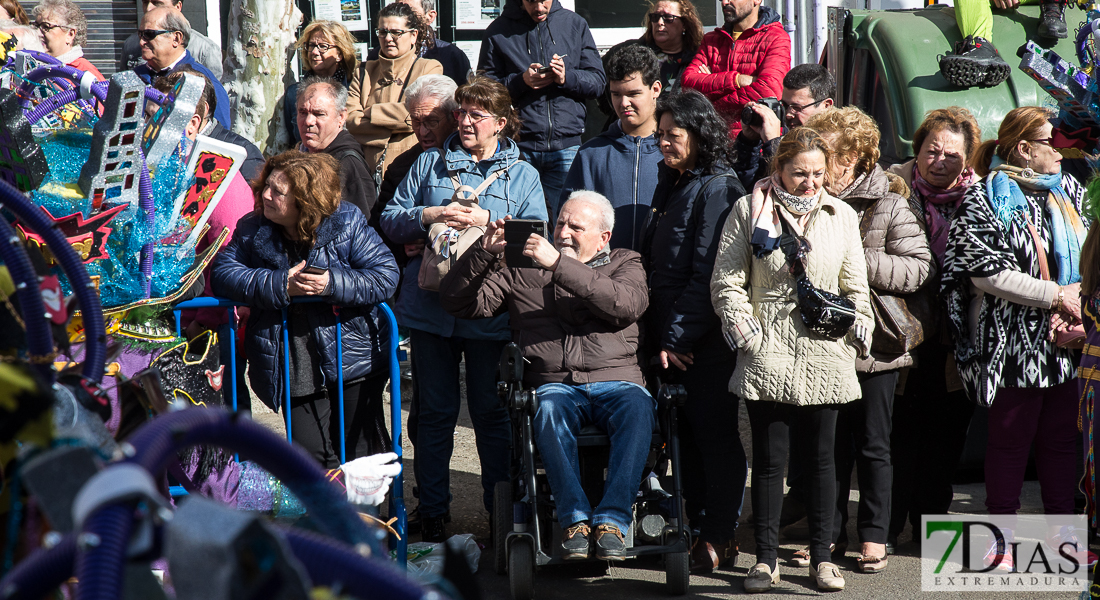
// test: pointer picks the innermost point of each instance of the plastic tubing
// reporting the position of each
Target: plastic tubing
(56, 101)
(45, 71)
(39, 337)
(35, 218)
(156, 443)
(101, 564)
(155, 95)
(40, 573)
(330, 563)
(145, 200)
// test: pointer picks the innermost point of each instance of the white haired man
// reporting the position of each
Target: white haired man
(580, 338)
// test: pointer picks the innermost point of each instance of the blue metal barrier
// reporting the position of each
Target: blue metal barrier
(397, 490)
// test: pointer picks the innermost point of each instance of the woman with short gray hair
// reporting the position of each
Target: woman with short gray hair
(63, 29)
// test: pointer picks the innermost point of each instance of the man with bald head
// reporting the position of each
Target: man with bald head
(578, 309)
(164, 35)
(205, 51)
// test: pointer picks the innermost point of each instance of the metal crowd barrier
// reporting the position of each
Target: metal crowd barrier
(397, 493)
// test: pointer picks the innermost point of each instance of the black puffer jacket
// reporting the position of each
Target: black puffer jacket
(553, 117)
(680, 246)
(253, 269)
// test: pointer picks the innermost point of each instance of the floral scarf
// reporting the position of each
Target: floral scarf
(937, 198)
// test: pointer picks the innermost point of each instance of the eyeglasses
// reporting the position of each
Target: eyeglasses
(151, 34)
(46, 26)
(669, 19)
(796, 108)
(310, 47)
(392, 32)
(475, 117)
(431, 123)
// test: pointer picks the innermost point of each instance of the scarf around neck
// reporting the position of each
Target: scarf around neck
(765, 217)
(936, 198)
(1066, 227)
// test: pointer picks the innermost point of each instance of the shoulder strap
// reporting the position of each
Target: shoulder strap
(408, 76)
(484, 184)
(1040, 252)
(351, 152)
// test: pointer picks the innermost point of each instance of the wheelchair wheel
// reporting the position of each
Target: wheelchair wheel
(521, 569)
(502, 524)
(677, 575)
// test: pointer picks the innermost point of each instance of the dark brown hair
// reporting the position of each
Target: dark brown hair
(693, 25)
(1020, 125)
(208, 101)
(492, 97)
(412, 21)
(798, 141)
(955, 119)
(314, 183)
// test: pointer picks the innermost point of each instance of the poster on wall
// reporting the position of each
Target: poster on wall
(477, 14)
(350, 13)
(472, 50)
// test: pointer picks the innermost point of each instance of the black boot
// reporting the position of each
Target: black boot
(1052, 20)
(974, 62)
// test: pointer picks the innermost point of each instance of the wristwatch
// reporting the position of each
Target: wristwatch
(1059, 300)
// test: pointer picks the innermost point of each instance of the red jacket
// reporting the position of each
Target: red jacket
(763, 51)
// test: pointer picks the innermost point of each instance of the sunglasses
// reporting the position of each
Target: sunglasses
(151, 34)
(1048, 141)
(45, 26)
(796, 108)
(669, 19)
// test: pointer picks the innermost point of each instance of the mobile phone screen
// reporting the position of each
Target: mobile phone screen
(516, 233)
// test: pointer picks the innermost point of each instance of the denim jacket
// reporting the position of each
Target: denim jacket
(516, 192)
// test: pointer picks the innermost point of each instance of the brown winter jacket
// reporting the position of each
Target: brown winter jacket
(575, 325)
(899, 261)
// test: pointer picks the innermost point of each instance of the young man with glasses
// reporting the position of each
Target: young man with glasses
(732, 74)
(546, 57)
(206, 51)
(165, 35)
(63, 29)
(807, 90)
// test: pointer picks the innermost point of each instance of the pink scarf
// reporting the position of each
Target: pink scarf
(935, 197)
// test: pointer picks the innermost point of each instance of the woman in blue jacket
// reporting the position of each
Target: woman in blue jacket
(481, 149)
(302, 240)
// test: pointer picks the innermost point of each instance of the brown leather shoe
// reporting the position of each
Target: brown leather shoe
(707, 557)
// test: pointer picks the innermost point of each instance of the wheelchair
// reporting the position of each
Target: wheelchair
(526, 534)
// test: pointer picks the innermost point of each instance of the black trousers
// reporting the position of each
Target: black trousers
(771, 422)
(930, 427)
(315, 422)
(863, 440)
(712, 459)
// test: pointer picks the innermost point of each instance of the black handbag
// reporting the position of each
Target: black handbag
(824, 313)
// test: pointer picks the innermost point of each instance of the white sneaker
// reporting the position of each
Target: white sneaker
(761, 578)
(828, 577)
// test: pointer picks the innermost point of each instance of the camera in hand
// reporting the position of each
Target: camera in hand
(750, 118)
(516, 233)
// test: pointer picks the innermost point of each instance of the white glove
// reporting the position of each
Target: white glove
(368, 478)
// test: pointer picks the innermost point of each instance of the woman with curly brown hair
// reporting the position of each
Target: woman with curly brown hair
(302, 240)
(377, 116)
(899, 263)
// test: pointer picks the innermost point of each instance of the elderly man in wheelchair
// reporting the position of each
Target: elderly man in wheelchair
(574, 314)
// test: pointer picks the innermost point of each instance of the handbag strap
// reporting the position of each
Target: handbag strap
(456, 183)
(1044, 268)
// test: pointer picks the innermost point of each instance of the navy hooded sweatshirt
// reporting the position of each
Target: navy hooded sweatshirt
(553, 117)
(623, 168)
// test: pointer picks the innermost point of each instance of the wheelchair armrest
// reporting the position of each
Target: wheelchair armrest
(511, 364)
(669, 394)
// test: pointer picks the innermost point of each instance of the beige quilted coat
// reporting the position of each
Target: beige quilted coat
(787, 363)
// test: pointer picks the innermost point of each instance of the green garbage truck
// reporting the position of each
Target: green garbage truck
(886, 62)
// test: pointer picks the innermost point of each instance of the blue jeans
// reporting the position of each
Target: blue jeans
(436, 359)
(553, 166)
(626, 412)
